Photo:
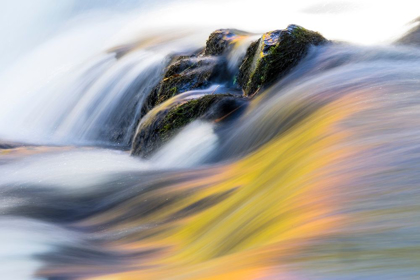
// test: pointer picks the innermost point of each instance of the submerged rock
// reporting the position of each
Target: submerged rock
(164, 122)
(273, 55)
(222, 40)
(184, 74)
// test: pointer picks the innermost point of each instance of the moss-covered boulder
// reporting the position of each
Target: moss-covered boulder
(196, 71)
(222, 40)
(162, 123)
(184, 74)
(273, 55)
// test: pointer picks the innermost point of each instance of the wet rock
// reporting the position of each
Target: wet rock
(273, 55)
(196, 71)
(184, 74)
(222, 40)
(162, 123)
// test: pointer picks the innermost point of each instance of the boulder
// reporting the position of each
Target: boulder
(222, 40)
(184, 74)
(196, 71)
(273, 55)
(163, 122)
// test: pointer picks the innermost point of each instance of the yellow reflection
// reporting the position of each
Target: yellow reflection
(280, 199)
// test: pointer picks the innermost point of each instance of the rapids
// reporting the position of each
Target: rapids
(317, 179)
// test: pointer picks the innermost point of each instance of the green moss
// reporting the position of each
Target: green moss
(174, 91)
(246, 66)
(184, 114)
(164, 123)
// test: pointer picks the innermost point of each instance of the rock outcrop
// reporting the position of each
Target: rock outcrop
(164, 113)
(273, 55)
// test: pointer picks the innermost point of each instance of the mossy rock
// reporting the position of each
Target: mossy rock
(162, 123)
(184, 74)
(273, 55)
(196, 71)
(222, 40)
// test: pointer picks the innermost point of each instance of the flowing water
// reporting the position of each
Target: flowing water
(317, 179)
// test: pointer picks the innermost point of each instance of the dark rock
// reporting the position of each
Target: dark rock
(162, 123)
(186, 73)
(247, 64)
(273, 55)
(222, 40)
(196, 71)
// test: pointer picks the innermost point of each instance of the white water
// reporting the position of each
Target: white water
(75, 170)
(74, 105)
(81, 169)
(188, 148)
(20, 239)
